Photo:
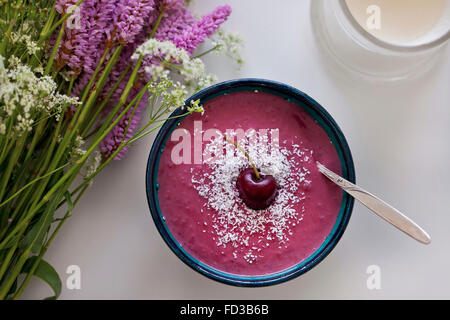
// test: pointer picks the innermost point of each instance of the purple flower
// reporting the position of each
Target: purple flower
(179, 26)
(104, 24)
(174, 23)
(99, 15)
(83, 41)
(62, 6)
(131, 18)
(168, 4)
(65, 54)
(123, 131)
(124, 61)
(202, 29)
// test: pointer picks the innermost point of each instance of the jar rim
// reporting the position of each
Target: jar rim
(389, 45)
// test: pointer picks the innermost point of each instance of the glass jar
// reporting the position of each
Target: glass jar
(365, 56)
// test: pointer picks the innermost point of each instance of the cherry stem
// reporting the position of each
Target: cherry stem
(245, 154)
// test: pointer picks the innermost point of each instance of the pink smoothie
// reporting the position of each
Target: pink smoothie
(200, 202)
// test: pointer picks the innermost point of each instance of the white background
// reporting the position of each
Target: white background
(400, 139)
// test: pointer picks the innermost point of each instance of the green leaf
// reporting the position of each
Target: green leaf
(69, 201)
(12, 242)
(40, 228)
(45, 272)
(42, 225)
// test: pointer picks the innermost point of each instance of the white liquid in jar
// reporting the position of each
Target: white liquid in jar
(399, 21)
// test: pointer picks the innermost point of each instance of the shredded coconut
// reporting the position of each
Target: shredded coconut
(234, 224)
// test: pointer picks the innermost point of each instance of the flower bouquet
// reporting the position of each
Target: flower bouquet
(76, 77)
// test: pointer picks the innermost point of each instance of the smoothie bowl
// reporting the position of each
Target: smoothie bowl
(235, 192)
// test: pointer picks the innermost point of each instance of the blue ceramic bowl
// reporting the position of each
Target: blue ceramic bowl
(318, 113)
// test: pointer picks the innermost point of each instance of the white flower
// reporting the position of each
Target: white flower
(77, 150)
(15, 37)
(206, 81)
(195, 106)
(24, 37)
(13, 61)
(166, 51)
(32, 47)
(39, 69)
(192, 69)
(202, 82)
(175, 97)
(24, 123)
(156, 71)
(229, 43)
(92, 168)
(46, 86)
(26, 98)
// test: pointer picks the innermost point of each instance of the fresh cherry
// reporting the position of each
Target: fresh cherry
(257, 192)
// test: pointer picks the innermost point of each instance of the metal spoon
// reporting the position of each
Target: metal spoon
(381, 208)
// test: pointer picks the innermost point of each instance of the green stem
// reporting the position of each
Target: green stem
(49, 163)
(206, 52)
(32, 182)
(25, 167)
(136, 104)
(158, 21)
(97, 88)
(11, 163)
(6, 145)
(22, 203)
(94, 76)
(110, 158)
(98, 110)
(5, 262)
(26, 253)
(82, 111)
(48, 68)
(47, 245)
(69, 90)
(47, 31)
(123, 98)
(123, 144)
(66, 178)
(142, 135)
(7, 35)
(37, 135)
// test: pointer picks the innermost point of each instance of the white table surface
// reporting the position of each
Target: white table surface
(399, 135)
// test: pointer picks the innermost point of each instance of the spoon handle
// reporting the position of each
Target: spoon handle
(381, 208)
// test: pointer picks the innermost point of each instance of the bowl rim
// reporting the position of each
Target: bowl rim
(250, 281)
